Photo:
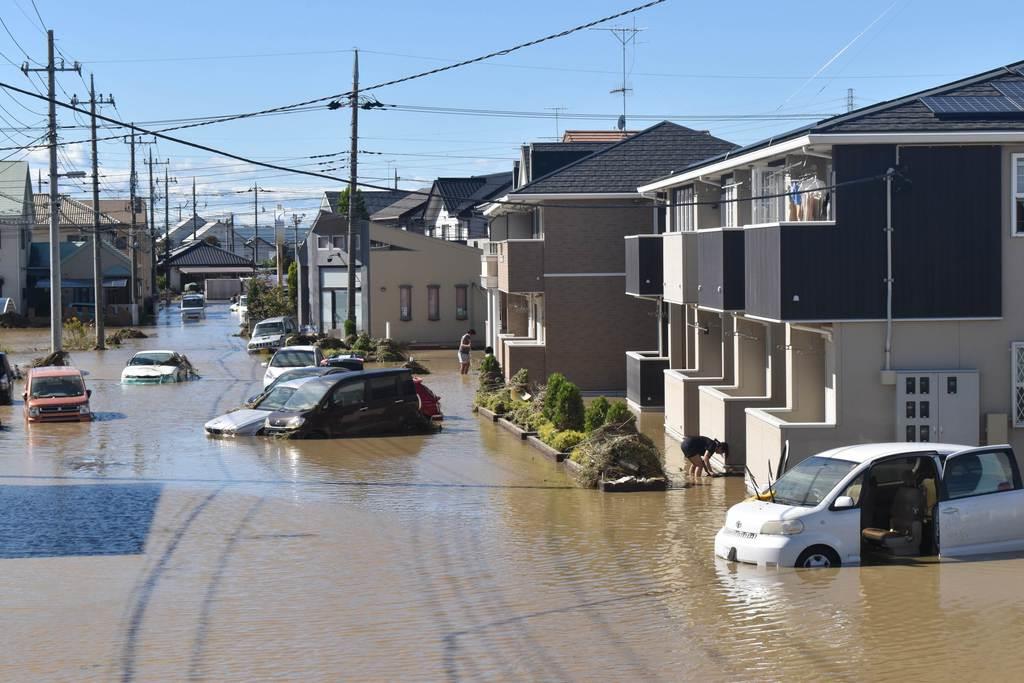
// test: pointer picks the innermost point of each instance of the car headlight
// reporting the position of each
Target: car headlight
(33, 412)
(83, 409)
(782, 527)
(293, 422)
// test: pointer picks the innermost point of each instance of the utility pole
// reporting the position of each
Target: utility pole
(396, 178)
(849, 99)
(134, 229)
(352, 177)
(195, 210)
(231, 224)
(167, 214)
(56, 307)
(97, 253)
(152, 226)
(255, 189)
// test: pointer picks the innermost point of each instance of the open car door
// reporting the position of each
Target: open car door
(981, 503)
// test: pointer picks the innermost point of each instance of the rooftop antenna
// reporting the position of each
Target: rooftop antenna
(626, 36)
(557, 110)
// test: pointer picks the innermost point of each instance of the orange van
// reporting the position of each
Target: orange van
(56, 394)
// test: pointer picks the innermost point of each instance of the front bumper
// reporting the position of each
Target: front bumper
(754, 548)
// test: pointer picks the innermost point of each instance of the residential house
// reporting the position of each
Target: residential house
(405, 213)
(181, 231)
(373, 201)
(851, 281)
(554, 273)
(78, 296)
(453, 208)
(76, 224)
(15, 231)
(425, 291)
(197, 260)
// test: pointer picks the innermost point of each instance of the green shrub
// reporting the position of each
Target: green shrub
(566, 406)
(520, 381)
(555, 382)
(363, 344)
(565, 442)
(389, 351)
(618, 413)
(595, 414)
(490, 372)
(330, 343)
(547, 432)
(350, 328)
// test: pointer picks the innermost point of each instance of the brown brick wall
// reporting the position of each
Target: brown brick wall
(590, 324)
(591, 240)
(521, 266)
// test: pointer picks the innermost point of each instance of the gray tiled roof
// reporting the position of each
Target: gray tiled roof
(410, 202)
(652, 153)
(72, 212)
(373, 201)
(460, 194)
(200, 253)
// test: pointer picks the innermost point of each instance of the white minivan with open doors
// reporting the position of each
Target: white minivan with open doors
(879, 500)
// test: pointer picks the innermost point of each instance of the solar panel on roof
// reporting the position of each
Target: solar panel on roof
(1020, 70)
(973, 105)
(1012, 89)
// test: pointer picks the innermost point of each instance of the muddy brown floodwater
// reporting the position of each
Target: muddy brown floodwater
(134, 548)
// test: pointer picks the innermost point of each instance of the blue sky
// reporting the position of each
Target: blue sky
(693, 61)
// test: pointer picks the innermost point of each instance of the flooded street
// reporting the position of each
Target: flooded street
(134, 548)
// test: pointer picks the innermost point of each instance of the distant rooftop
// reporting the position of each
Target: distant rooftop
(597, 135)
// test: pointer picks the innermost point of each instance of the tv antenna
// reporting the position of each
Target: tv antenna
(557, 111)
(626, 36)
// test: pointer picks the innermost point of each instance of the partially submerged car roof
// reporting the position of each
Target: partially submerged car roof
(298, 382)
(872, 451)
(55, 371)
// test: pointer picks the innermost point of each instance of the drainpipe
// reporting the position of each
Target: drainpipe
(888, 268)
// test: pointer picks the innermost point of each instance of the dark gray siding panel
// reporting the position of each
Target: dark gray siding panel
(644, 266)
(709, 269)
(632, 266)
(733, 270)
(948, 233)
(764, 277)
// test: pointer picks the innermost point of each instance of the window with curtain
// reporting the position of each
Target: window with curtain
(405, 302)
(729, 193)
(433, 302)
(461, 302)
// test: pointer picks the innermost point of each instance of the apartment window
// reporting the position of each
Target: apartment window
(405, 302)
(768, 193)
(730, 191)
(1017, 368)
(433, 302)
(323, 242)
(1017, 211)
(338, 242)
(461, 302)
(683, 211)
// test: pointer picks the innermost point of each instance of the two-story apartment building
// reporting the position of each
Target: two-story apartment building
(853, 280)
(556, 297)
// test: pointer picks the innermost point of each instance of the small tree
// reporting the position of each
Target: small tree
(568, 412)
(212, 240)
(361, 211)
(490, 373)
(268, 302)
(555, 382)
(293, 279)
(618, 414)
(595, 414)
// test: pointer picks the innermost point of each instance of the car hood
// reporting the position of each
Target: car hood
(750, 515)
(148, 371)
(242, 421)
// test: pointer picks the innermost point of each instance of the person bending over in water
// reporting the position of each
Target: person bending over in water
(698, 451)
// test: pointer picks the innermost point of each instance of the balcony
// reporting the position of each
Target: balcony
(800, 271)
(679, 267)
(521, 266)
(489, 270)
(644, 265)
(720, 279)
(524, 353)
(645, 379)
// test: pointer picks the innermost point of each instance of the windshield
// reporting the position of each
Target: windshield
(810, 481)
(192, 302)
(262, 329)
(150, 358)
(293, 358)
(243, 300)
(275, 399)
(57, 387)
(307, 396)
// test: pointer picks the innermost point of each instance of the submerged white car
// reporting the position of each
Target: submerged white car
(249, 421)
(892, 499)
(157, 367)
(290, 357)
(270, 334)
(193, 307)
(242, 305)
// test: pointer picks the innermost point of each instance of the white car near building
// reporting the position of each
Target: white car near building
(193, 307)
(271, 333)
(290, 357)
(892, 499)
(157, 367)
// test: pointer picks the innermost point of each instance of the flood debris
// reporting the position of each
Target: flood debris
(416, 366)
(13, 320)
(619, 455)
(125, 333)
(60, 358)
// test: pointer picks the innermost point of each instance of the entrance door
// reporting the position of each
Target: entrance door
(981, 509)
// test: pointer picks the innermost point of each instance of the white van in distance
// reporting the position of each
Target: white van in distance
(193, 307)
(891, 499)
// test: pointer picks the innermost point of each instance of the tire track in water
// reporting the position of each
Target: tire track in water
(129, 650)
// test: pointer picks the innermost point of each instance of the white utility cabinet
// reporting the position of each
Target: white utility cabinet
(939, 406)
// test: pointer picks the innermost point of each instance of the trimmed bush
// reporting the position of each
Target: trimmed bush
(350, 328)
(331, 343)
(595, 414)
(490, 372)
(520, 381)
(363, 344)
(389, 351)
(555, 382)
(565, 441)
(619, 414)
(567, 411)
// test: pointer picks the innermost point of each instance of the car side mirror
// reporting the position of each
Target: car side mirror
(844, 503)
(88, 393)
(264, 363)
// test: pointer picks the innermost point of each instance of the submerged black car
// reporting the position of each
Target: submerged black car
(368, 403)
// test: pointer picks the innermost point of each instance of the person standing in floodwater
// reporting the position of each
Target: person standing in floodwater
(465, 346)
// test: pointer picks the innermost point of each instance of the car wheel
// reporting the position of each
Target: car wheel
(818, 557)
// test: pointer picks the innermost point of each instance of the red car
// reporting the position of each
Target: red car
(430, 403)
